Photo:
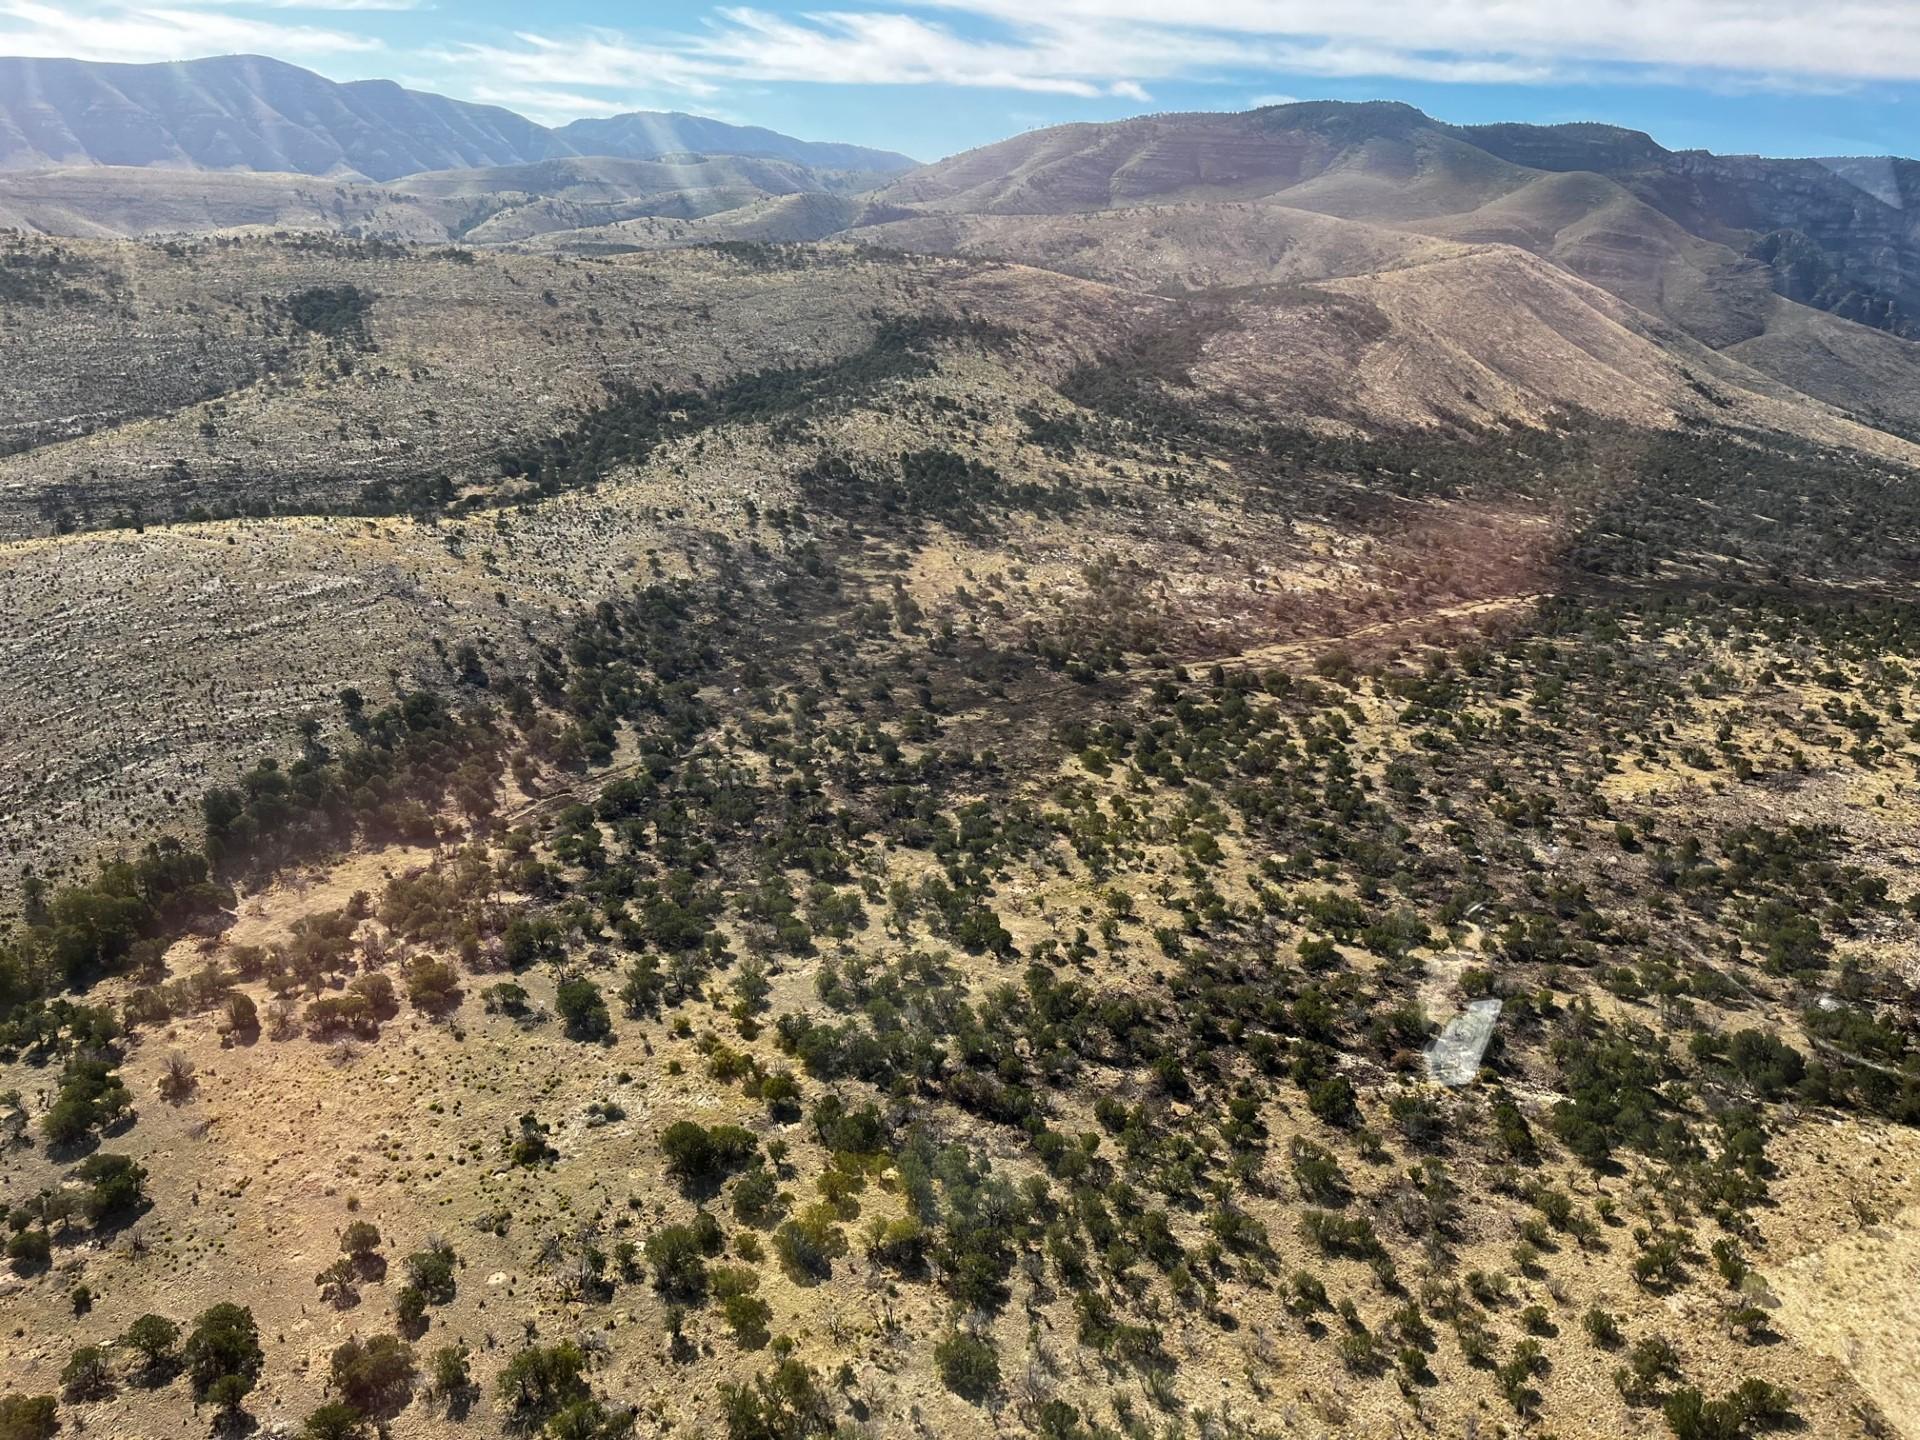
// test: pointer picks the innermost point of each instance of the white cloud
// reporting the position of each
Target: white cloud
(139, 33)
(1087, 49)
(1117, 48)
(363, 6)
(743, 45)
(1856, 39)
(868, 48)
(598, 59)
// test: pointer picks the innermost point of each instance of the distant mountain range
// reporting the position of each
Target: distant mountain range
(250, 113)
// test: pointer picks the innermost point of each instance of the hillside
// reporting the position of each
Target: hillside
(243, 112)
(1815, 236)
(1780, 266)
(1169, 248)
(605, 180)
(118, 202)
(557, 197)
(486, 206)
(1220, 778)
(646, 133)
(1709, 245)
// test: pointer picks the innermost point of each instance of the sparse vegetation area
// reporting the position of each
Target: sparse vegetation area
(950, 937)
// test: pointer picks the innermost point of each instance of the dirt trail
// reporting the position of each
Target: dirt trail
(1293, 652)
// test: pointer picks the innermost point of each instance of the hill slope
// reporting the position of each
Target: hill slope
(652, 133)
(1830, 234)
(484, 206)
(812, 841)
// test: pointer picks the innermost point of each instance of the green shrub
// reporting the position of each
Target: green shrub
(785, 1404)
(809, 1243)
(430, 1271)
(679, 1262)
(117, 1187)
(452, 1380)
(432, 985)
(1602, 1328)
(85, 1376)
(697, 1155)
(748, 1316)
(968, 1365)
(224, 1347)
(756, 1197)
(360, 1239)
(541, 1381)
(152, 1337)
(28, 1417)
(336, 1420)
(374, 1375)
(30, 1250)
(580, 1005)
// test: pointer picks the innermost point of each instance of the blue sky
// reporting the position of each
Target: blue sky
(929, 77)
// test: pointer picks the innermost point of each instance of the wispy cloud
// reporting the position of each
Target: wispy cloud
(1095, 50)
(1858, 39)
(1049, 56)
(88, 31)
(753, 46)
(870, 48)
(378, 7)
(1120, 48)
(596, 59)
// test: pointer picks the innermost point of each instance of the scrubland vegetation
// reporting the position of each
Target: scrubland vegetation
(792, 999)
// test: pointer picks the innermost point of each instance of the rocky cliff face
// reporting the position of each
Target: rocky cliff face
(1868, 252)
(1605, 149)
(1839, 234)
(1888, 178)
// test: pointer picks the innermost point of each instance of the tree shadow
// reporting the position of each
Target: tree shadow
(156, 1374)
(112, 1226)
(68, 1152)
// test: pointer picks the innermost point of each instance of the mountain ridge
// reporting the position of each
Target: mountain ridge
(1829, 232)
(254, 113)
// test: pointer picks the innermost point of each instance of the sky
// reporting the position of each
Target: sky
(932, 77)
